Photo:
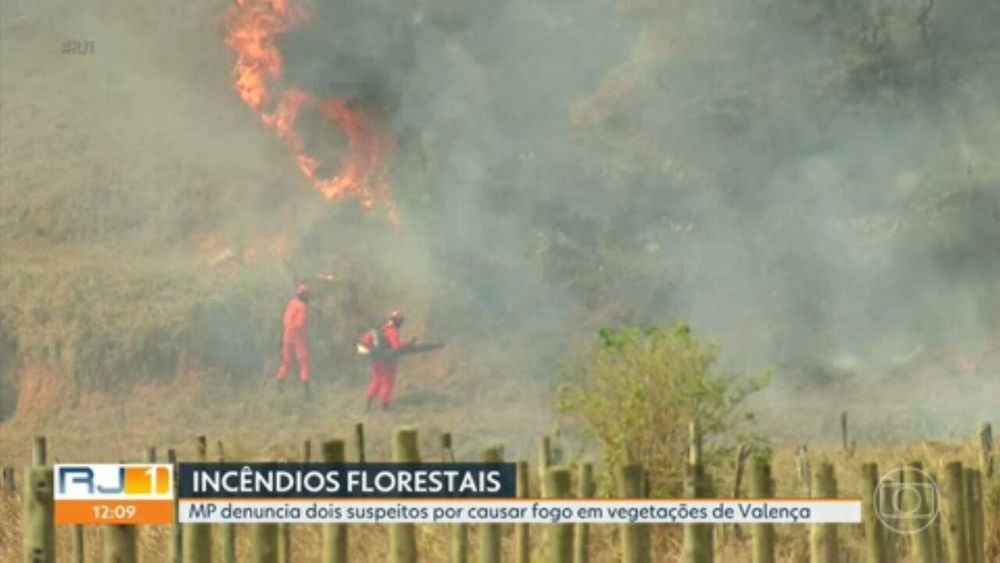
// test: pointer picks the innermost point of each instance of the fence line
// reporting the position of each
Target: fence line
(958, 535)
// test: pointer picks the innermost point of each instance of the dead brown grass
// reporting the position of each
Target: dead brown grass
(40, 391)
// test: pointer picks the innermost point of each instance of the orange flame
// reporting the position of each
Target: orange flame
(254, 27)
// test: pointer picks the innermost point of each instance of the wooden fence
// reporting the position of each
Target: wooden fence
(958, 536)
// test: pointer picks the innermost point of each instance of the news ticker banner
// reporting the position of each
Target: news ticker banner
(139, 494)
(121, 494)
(513, 511)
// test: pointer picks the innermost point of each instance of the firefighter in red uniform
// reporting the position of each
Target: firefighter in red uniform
(382, 345)
(295, 339)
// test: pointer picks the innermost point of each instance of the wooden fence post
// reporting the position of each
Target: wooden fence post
(823, 540)
(174, 547)
(334, 535)
(844, 438)
(634, 537)
(955, 528)
(229, 543)
(585, 490)
(264, 538)
(447, 454)
(646, 536)
(490, 535)
(38, 526)
(151, 457)
(359, 441)
(544, 462)
(460, 531)
(977, 526)
(874, 536)
(285, 529)
(228, 530)
(120, 544)
(989, 464)
(8, 485)
(284, 543)
(79, 546)
(921, 536)
(890, 536)
(39, 453)
(522, 534)
(265, 543)
(805, 473)
(937, 539)
(557, 485)
(698, 543)
(761, 486)
(403, 537)
(742, 453)
(198, 537)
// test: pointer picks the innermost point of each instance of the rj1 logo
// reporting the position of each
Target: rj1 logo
(95, 481)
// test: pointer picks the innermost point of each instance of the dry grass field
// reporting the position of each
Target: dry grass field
(127, 171)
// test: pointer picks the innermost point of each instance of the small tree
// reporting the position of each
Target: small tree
(635, 391)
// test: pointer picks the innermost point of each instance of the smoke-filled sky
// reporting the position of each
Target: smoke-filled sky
(770, 171)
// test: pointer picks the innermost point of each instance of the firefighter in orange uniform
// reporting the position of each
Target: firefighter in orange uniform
(382, 344)
(295, 338)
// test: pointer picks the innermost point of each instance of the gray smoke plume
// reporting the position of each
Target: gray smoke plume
(813, 185)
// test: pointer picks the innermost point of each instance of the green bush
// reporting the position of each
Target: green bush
(635, 390)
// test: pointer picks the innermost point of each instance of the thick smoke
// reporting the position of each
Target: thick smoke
(812, 184)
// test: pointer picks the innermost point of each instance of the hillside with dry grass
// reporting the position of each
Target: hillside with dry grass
(813, 185)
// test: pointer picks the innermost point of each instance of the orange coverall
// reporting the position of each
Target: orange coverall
(384, 369)
(295, 340)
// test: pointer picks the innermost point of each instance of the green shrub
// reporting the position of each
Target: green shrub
(635, 391)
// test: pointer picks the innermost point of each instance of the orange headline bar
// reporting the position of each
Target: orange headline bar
(114, 512)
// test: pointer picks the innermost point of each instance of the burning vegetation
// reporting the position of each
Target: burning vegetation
(254, 27)
(729, 166)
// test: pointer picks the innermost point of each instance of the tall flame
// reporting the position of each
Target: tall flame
(254, 27)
